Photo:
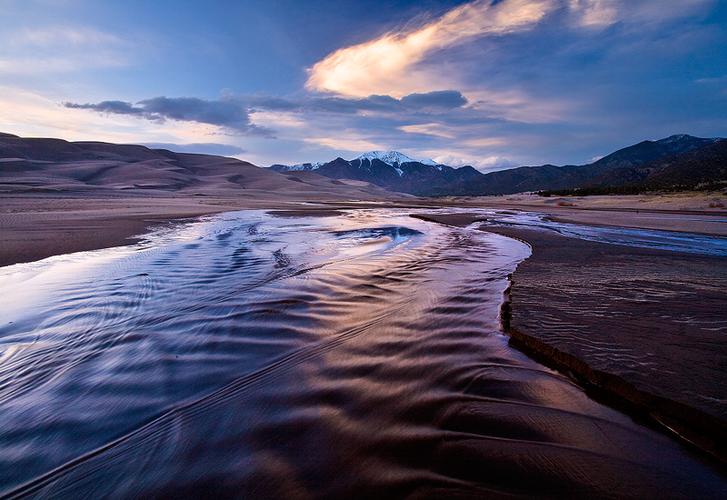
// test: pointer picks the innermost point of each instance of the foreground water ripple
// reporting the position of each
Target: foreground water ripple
(251, 355)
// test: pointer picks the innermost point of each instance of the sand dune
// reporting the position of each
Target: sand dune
(52, 165)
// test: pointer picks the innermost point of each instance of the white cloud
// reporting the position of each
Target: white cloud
(53, 36)
(600, 13)
(519, 106)
(485, 142)
(347, 142)
(590, 13)
(481, 163)
(277, 119)
(432, 129)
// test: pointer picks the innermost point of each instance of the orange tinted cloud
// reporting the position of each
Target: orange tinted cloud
(378, 66)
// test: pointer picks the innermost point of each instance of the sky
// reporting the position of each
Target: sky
(488, 83)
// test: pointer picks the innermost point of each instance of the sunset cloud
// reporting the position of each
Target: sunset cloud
(382, 65)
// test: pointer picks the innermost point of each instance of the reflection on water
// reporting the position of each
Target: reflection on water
(646, 238)
(258, 356)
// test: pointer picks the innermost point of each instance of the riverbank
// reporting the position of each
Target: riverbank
(39, 225)
(660, 211)
(641, 328)
(36, 227)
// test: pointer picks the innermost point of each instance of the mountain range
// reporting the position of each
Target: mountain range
(55, 165)
(678, 161)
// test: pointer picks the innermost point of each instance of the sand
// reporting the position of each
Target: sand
(39, 225)
(654, 211)
(643, 328)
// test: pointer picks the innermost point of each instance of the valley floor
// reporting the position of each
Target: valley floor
(41, 225)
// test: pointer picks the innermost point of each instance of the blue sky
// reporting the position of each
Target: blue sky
(487, 83)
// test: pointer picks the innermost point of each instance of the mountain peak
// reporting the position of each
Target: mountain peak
(392, 158)
(676, 138)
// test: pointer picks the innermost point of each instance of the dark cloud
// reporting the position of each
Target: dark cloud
(231, 114)
(441, 99)
(208, 148)
(115, 107)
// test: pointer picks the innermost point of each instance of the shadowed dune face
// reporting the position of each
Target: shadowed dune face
(54, 165)
(300, 357)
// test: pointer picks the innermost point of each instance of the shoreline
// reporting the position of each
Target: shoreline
(35, 227)
(696, 428)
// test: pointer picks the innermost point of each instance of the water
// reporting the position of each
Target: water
(645, 238)
(250, 355)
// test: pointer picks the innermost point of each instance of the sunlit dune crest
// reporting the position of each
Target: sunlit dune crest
(384, 59)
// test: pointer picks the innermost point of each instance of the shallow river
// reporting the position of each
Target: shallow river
(258, 356)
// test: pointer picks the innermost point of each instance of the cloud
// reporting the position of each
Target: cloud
(31, 114)
(481, 163)
(435, 101)
(381, 65)
(432, 129)
(229, 114)
(489, 83)
(601, 13)
(53, 36)
(441, 99)
(233, 113)
(346, 142)
(43, 50)
(592, 13)
(485, 142)
(209, 148)
(114, 107)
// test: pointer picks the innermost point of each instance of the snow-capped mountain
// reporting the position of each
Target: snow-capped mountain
(392, 170)
(298, 167)
(393, 158)
(632, 165)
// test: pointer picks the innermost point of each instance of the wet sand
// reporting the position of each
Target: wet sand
(643, 328)
(650, 211)
(36, 227)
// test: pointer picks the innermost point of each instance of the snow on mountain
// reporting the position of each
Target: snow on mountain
(305, 166)
(392, 158)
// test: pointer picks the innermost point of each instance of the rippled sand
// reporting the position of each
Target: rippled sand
(350, 355)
